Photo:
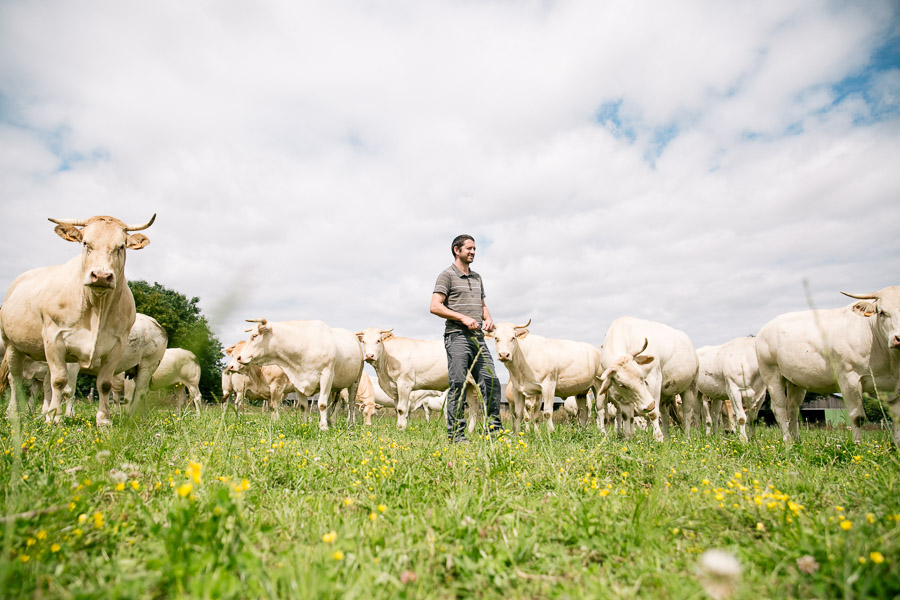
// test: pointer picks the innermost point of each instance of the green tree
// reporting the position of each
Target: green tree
(186, 327)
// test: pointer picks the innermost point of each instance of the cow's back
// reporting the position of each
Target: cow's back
(799, 345)
(574, 364)
(424, 362)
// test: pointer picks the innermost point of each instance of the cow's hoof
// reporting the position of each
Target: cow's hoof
(103, 421)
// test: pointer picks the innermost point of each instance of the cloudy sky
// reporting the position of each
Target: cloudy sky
(691, 162)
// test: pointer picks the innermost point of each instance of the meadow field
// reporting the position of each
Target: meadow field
(234, 505)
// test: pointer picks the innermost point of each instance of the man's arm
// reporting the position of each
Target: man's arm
(488, 322)
(438, 308)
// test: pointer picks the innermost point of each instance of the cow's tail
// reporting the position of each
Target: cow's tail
(4, 375)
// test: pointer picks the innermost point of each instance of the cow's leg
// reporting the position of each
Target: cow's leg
(104, 386)
(276, 397)
(476, 406)
(59, 378)
(548, 392)
(659, 422)
(581, 402)
(325, 381)
(707, 406)
(735, 398)
(15, 360)
(795, 398)
(180, 397)
(404, 387)
(518, 407)
(851, 390)
(600, 401)
(894, 408)
(142, 385)
(689, 406)
(351, 402)
(48, 393)
(195, 396)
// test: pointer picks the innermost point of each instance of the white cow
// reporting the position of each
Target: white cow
(268, 382)
(428, 400)
(647, 382)
(314, 356)
(730, 372)
(542, 368)
(79, 311)
(404, 365)
(851, 350)
(179, 366)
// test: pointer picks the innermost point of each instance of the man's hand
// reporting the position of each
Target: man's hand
(488, 324)
(469, 322)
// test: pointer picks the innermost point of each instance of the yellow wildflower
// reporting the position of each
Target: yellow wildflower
(54, 548)
(876, 557)
(135, 485)
(372, 516)
(42, 534)
(185, 489)
(98, 520)
(338, 555)
(382, 508)
(120, 486)
(348, 501)
(846, 525)
(195, 472)
(329, 537)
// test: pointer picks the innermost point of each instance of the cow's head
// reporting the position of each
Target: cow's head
(506, 338)
(256, 348)
(233, 365)
(628, 375)
(104, 240)
(885, 307)
(373, 340)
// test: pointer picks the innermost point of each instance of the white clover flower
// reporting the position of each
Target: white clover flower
(719, 573)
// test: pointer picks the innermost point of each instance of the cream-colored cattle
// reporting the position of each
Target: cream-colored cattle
(404, 365)
(267, 382)
(80, 311)
(179, 367)
(851, 350)
(542, 368)
(314, 356)
(648, 364)
(730, 372)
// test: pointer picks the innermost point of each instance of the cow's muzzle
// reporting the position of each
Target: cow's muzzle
(101, 279)
(503, 356)
(895, 342)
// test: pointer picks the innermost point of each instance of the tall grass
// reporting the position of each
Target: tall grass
(235, 505)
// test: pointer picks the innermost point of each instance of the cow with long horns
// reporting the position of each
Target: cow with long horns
(80, 311)
(852, 350)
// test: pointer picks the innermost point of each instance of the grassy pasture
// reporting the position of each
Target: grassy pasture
(235, 505)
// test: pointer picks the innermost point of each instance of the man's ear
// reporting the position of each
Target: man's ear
(70, 233)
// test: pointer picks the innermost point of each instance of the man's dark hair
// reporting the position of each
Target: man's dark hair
(458, 242)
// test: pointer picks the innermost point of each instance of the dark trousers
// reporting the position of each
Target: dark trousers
(467, 352)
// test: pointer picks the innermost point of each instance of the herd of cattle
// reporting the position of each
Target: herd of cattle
(80, 315)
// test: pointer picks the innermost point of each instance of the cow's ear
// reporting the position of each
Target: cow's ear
(359, 335)
(70, 233)
(489, 335)
(229, 350)
(643, 359)
(136, 241)
(264, 329)
(386, 336)
(606, 379)
(864, 308)
(522, 333)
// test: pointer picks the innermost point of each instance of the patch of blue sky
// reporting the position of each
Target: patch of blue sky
(863, 84)
(609, 116)
(661, 137)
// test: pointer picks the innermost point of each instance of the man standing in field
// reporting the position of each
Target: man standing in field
(459, 298)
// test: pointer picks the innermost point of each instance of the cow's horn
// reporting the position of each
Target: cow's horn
(140, 227)
(644, 347)
(522, 326)
(75, 222)
(261, 321)
(387, 330)
(862, 296)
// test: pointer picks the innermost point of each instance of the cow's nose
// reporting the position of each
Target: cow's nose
(102, 278)
(895, 341)
(503, 356)
(370, 356)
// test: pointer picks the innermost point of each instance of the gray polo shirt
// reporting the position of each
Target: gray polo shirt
(463, 294)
